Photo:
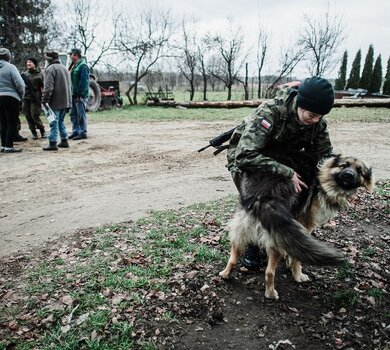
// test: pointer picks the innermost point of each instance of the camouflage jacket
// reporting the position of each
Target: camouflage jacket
(274, 126)
(36, 79)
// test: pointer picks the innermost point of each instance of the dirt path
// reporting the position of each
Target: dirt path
(125, 169)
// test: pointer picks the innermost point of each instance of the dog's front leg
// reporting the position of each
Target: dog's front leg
(273, 261)
(235, 254)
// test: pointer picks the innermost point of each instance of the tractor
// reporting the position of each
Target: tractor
(102, 94)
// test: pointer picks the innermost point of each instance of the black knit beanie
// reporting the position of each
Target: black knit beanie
(33, 60)
(316, 95)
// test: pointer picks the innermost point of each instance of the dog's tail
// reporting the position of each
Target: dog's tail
(293, 237)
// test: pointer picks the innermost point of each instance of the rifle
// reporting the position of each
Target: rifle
(27, 82)
(217, 141)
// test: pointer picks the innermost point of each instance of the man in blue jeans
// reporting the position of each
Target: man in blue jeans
(79, 73)
(57, 94)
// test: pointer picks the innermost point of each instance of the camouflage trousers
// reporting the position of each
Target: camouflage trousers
(32, 112)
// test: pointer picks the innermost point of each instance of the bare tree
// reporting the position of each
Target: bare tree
(245, 83)
(141, 39)
(202, 66)
(229, 57)
(83, 32)
(187, 59)
(321, 37)
(289, 59)
(262, 46)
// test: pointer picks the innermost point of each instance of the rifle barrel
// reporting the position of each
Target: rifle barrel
(203, 148)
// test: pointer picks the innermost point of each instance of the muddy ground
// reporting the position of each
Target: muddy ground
(125, 169)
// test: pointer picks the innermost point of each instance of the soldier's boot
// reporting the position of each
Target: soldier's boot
(52, 146)
(64, 144)
(34, 135)
(43, 134)
(251, 258)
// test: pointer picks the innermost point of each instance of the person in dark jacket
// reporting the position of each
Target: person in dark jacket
(292, 121)
(79, 73)
(32, 107)
(11, 93)
(58, 95)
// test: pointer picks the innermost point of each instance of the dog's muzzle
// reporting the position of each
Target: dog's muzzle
(347, 179)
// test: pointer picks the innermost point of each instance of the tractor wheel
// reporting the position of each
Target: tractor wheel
(94, 96)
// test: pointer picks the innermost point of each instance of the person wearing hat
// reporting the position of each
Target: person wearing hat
(32, 98)
(11, 93)
(292, 121)
(57, 94)
(79, 73)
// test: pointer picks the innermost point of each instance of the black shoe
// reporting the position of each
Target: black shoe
(19, 138)
(80, 137)
(70, 137)
(63, 144)
(34, 136)
(43, 134)
(52, 146)
(13, 150)
(251, 259)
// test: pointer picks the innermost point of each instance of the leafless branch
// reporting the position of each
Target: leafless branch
(321, 37)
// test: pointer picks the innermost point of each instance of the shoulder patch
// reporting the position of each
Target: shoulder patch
(265, 123)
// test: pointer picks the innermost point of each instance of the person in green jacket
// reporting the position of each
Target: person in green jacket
(79, 73)
(31, 107)
(292, 121)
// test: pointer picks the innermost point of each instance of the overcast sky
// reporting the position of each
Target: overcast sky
(365, 21)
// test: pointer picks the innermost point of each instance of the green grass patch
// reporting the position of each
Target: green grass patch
(359, 114)
(367, 253)
(345, 271)
(347, 297)
(376, 293)
(106, 275)
(145, 113)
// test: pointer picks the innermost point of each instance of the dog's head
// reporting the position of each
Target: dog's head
(346, 174)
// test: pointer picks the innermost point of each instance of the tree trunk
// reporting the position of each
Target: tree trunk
(229, 96)
(204, 88)
(128, 96)
(378, 102)
(259, 84)
(135, 93)
(192, 91)
(246, 92)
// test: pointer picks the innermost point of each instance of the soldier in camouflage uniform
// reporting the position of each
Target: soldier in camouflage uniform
(292, 121)
(31, 108)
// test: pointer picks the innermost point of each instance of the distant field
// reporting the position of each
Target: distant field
(143, 113)
(237, 95)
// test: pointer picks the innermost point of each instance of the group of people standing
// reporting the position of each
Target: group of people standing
(59, 88)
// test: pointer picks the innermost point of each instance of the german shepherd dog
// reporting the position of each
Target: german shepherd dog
(272, 215)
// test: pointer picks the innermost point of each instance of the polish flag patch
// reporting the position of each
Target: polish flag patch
(265, 124)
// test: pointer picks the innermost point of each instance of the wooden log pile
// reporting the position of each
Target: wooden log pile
(343, 102)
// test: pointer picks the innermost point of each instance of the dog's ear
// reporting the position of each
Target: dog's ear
(368, 177)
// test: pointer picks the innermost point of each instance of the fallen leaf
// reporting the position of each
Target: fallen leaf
(67, 300)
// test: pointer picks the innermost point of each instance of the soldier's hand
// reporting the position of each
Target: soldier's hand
(298, 184)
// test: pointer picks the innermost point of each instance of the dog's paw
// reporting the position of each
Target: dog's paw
(272, 294)
(225, 274)
(301, 278)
